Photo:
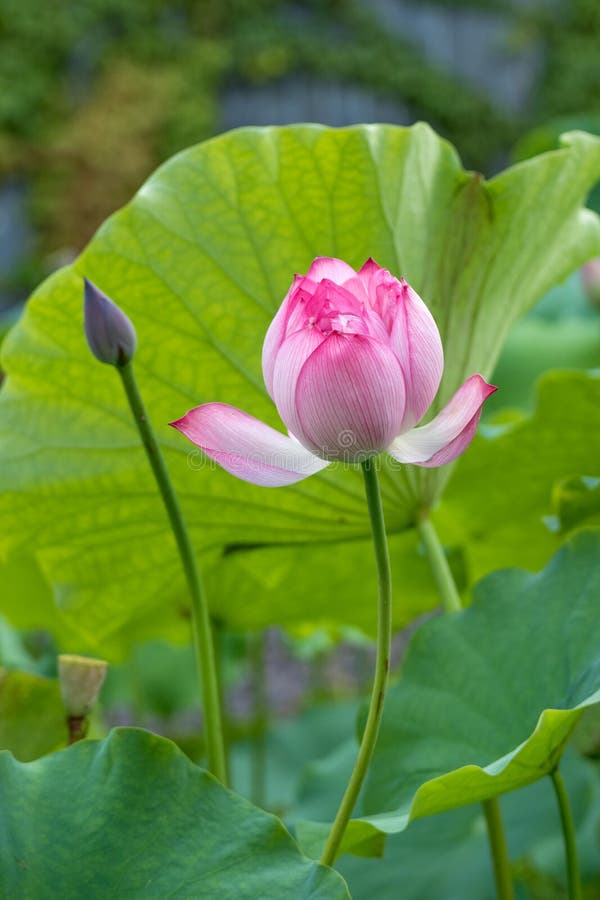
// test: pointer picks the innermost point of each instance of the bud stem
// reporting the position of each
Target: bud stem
(491, 807)
(203, 638)
(382, 664)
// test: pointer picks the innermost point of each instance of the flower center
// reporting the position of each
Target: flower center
(331, 320)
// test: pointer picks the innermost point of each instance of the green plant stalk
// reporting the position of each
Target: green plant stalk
(568, 829)
(218, 636)
(261, 718)
(203, 639)
(439, 564)
(451, 602)
(498, 849)
(382, 664)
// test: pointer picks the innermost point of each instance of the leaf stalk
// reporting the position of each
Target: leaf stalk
(568, 829)
(439, 564)
(498, 849)
(491, 807)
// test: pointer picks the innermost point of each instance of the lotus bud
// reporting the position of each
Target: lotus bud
(109, 332)
(590, 276)
(353, 361)
(81, 678)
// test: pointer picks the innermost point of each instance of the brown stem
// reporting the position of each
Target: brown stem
(78, 728)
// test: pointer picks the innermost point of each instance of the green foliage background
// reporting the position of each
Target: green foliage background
(150, 73)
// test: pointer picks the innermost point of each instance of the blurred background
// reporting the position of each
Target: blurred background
(95, 94)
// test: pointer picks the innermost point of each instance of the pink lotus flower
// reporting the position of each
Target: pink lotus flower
(352, 361)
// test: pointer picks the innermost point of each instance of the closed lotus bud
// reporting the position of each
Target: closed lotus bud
(109, 332)
(81, 678)
(590, 276)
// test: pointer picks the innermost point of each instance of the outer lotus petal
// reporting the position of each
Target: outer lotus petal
(247, 447)
(329, 267)
(349, 397)
(450, 433)
(416, 340)
(276, 334)
(294, 352)
(413, 334)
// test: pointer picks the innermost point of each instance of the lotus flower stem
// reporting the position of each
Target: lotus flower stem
(203, 638)
(382, 665)
(491, 807)
(568, 828)
(439, 564)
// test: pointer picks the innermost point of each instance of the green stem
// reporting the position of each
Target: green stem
(218, 639)
(498, 848)
(451, 600)
(382, 665)
(203, 642)
(260, 703)
(568, 828)
(439, 564)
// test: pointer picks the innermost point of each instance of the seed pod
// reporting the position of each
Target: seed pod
(81, 678)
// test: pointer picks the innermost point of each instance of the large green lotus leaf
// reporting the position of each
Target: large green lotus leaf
(131, 816)
(488, 697)
(447, 857)
(13, 652)
(200, 260)
(32, 715)
(576, 502)
(500, 504)
(334, 582)
(27, 600)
